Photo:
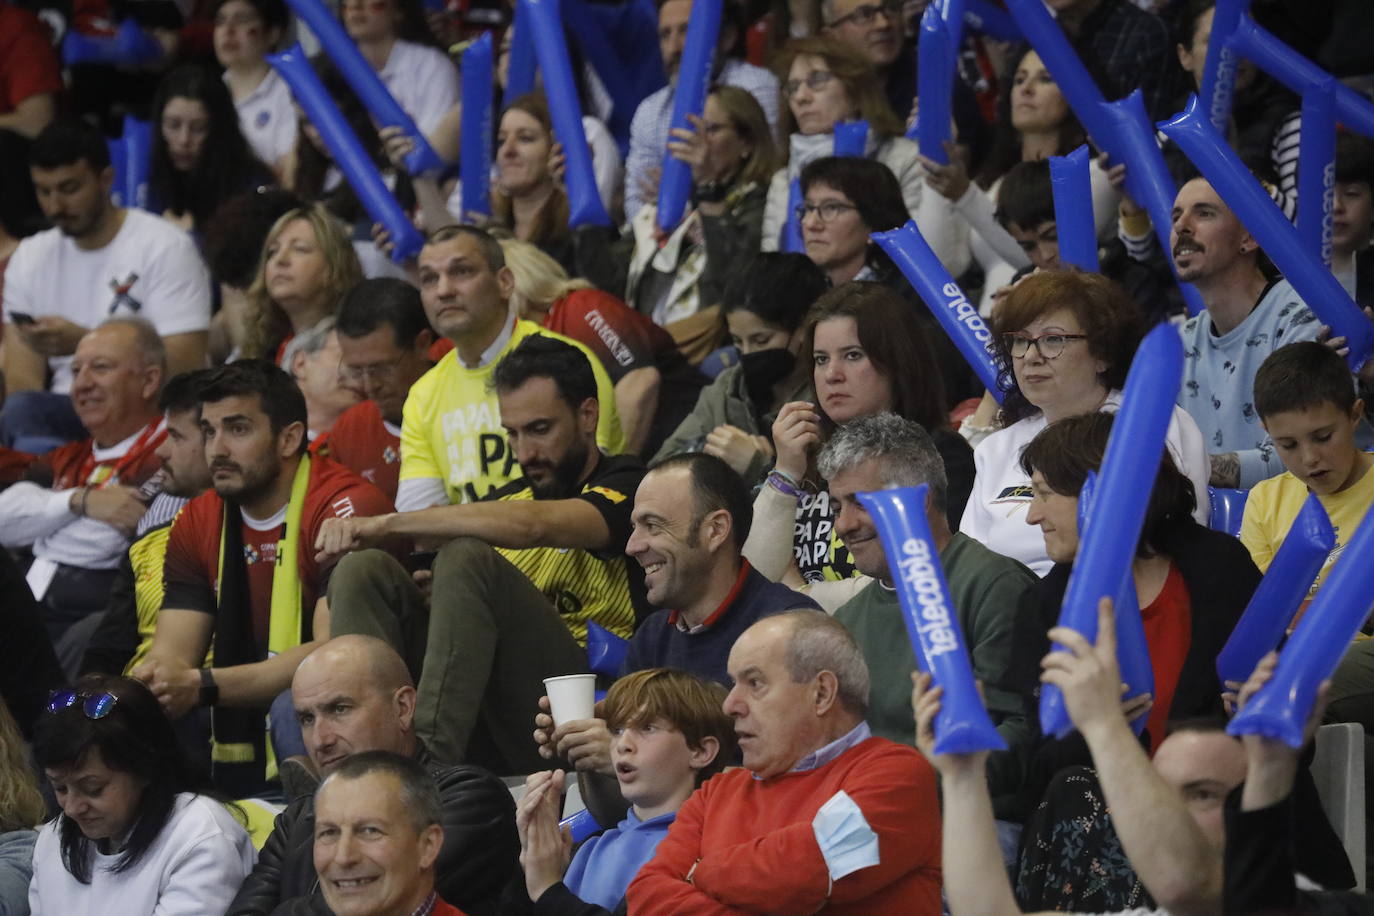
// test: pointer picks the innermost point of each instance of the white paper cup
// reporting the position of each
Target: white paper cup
(571, 697)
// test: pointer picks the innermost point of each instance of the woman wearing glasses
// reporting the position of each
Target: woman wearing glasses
(825, 82)
(135, 835)
(1064, 341)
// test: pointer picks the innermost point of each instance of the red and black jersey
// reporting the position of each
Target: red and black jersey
(361, 441)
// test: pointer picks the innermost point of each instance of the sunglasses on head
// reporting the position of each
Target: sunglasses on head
(95, 705)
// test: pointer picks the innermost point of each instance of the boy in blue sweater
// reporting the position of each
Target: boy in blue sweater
(668, 735)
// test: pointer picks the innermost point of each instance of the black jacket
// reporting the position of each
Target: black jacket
(480, 853)
(1220, 577)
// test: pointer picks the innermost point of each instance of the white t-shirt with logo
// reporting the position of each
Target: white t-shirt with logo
(267, 119)
(150, 268)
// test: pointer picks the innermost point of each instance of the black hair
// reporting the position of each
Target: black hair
(382, 301)
(226, 165)
(271, 12)
(67, 141)
(1025, 197)
(542, 356)
(778, 287)
(233, 237)
(1188, 21)
(715, 485)
(135, 737)
(1301, 376)
(182, 391)
(488, 243)
(1066, 450)
(278, 395)
(869, 184)
(1354, 159)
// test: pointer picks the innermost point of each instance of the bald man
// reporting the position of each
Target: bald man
(354, 694)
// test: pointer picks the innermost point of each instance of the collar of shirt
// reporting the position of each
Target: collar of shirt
(675, 617)
(490, 353)
(264, 87)
(819, 758)
(427, 907)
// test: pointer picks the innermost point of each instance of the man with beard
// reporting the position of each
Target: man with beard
(98, 260)
(1248, 316)
(520, 576)
(240, 571)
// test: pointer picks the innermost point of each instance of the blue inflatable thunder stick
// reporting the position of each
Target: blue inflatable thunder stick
(1133, 455)
(963, 725)
(474, 154)
(693, 76)
(1073, 209)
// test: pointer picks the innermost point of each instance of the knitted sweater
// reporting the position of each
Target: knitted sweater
(750, 848)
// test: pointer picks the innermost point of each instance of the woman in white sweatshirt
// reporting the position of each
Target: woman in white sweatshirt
(134, 836)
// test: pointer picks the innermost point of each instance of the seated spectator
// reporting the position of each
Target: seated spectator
(315, 361)
(125, 632)
(705, 592)
(384, 341)
(1192, 584)
(764, 306)
(520, 574)
(240, 575)
(200, 157)
(29, 72)
(1166, 812)
(1249, 314)
(1064, 342)
(826, 82)
(654, 385)
(1025, 209)
(527, 196)
(309, 170)
(354, 697)
(466, 290)
(1033, 122)
(1304, 397)
(98, 260)
(799, 702)
(22, 809)
(869, 354)
(307, 265)
(1352, 217)
(679, 281)
(669, 735)
(232, 244)
(136, 830)
(377, 838)
(880, 452)
(395, 40)
(246, 31)
(83, 501)
(649, 129)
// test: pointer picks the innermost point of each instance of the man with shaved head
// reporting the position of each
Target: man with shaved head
(354, 694)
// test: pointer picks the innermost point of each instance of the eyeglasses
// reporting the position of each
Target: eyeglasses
(828, 210)
(815, 80)
(96, 705)
(864, 15)
(375, 372)
(1051, 346)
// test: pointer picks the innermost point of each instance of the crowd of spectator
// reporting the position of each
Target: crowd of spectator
(296, 524)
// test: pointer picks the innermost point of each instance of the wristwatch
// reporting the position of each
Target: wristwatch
(209, 690)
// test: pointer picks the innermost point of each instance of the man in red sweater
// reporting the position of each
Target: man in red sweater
(824, 817)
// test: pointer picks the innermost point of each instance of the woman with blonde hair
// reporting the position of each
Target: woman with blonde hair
(307, 265)
(21, 810)
(825, 82)
(679, 281)
(654, 386)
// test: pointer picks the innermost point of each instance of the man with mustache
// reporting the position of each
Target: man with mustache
(240, 572)
(1249, 315)
(520, 576)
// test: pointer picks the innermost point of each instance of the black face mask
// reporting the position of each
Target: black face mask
(762, 370)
